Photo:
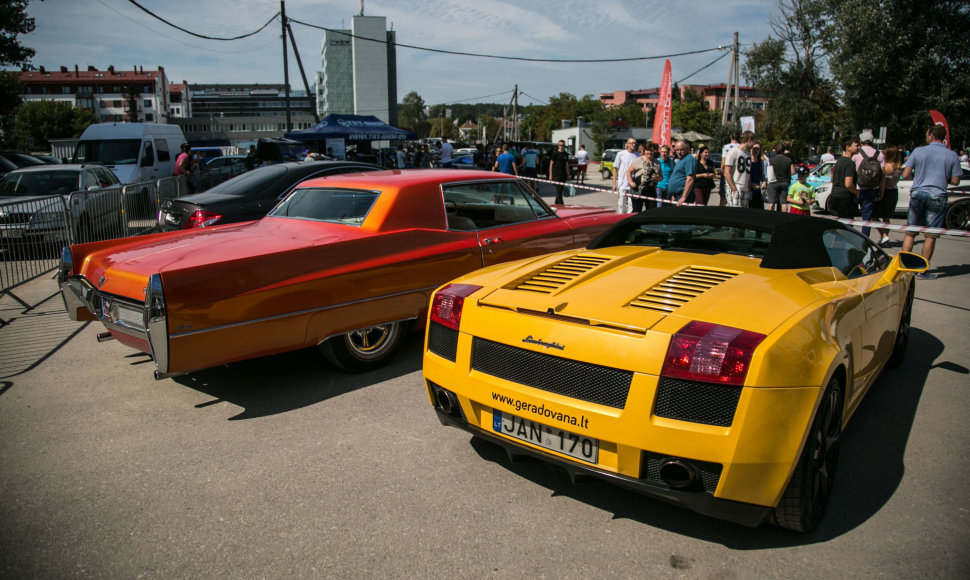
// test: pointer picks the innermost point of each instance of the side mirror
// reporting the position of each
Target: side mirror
(909, 262)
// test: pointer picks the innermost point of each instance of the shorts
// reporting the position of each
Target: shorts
(738, 198)
(777, 192)
(926, 210)
(798, 211)
(581, 168)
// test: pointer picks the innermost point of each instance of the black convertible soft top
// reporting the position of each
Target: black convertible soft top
(796, 240)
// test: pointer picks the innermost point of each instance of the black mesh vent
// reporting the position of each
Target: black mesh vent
(443, 341)
(708, 473)
(588, 382)
(696, 402)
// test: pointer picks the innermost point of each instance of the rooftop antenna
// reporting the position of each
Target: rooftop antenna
(361, 7)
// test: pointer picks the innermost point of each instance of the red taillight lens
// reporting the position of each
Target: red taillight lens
(201, 219)
(711, 353)
(448, 302)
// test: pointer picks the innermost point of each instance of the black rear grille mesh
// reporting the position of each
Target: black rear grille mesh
(696, 402)
(584, 381)
(708, 473)
(443, 341)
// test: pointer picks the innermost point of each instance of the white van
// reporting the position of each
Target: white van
(135, 152)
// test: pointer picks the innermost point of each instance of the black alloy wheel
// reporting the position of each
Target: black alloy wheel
(807, 495)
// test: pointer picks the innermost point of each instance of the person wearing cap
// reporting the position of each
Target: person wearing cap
(801, 194)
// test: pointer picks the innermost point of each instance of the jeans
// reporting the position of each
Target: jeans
(926, 209)
(867, 201)
(662, 195)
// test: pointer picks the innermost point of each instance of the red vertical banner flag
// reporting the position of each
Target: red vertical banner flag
(661, 116)
(939, 119)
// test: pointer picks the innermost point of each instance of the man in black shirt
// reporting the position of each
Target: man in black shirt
(559, 168)
(783, 168)
(844, 196)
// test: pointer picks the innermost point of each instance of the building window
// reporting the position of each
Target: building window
(149, 117)
(147, 104)
(66, 90)
(44, 90)
(116, 104)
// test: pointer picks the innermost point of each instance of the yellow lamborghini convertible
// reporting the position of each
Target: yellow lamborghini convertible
(706, 357)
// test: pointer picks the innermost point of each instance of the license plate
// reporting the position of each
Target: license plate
(559, 440)
(11, 233)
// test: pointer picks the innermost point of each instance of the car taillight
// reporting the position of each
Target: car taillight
(448, 302)
(201, 219)
(711, 353)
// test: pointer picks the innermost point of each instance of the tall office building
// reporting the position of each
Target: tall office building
(359, 70)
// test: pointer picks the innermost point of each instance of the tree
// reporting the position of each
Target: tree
(13, 22)
(897, 59)
(787, 69)
(41, 121)
(411, 114)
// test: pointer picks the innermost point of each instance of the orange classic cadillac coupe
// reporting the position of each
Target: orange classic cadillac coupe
(345, 262)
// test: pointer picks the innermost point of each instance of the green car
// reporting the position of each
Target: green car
(606, 163)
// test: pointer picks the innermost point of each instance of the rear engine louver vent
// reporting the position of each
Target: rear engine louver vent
(680, 289)
(558, 275)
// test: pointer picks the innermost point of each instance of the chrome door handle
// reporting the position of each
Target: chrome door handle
(490, 241)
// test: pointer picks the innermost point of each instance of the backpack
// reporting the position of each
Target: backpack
(870, 171)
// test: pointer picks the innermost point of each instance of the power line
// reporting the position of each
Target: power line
(203, 36)
(703, 67)
(516, 58)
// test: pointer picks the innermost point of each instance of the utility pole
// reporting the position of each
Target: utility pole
(515, 113)
(731, 76)
(737, 74)
(286, 73)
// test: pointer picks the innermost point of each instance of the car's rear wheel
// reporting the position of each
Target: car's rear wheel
(902, 333)
(804, 502)
(606, 173)
(958, 215)
(364, 349)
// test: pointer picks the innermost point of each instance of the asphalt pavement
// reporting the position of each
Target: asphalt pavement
(283, 467)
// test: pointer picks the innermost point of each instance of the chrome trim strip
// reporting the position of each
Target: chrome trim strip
(301, 312)
(156, 322)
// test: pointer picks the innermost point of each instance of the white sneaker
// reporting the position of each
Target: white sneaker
(884, 241)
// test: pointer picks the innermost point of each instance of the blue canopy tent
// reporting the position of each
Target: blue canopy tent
(351, 128)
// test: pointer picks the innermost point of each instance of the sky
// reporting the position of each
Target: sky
(100, 33)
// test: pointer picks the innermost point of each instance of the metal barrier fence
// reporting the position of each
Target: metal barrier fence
(32, 232)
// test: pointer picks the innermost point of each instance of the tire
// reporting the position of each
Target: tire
(606, 173)
(958, 215)
(365, 349)
(902, 333)
(807, 495)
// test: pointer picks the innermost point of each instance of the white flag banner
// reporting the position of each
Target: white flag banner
(747, 124)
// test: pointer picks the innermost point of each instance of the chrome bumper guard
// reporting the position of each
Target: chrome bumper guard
(146, 321)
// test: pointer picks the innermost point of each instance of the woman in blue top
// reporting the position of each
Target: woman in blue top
(667, 167)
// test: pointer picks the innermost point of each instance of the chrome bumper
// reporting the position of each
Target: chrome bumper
(147, 321)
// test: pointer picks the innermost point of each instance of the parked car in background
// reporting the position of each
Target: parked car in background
(641, 360)
(246, 197)
(224, 161)
(95, 209)
(820, 175)
(957, 203)
(345, 262)
(606, 163)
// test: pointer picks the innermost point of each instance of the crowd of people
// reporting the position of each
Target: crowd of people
(864, 180)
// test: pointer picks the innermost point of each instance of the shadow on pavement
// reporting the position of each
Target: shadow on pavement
(870, 467)
(33, 336)
(289, 381)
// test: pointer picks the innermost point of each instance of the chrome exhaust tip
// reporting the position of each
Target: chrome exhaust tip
(105, 336)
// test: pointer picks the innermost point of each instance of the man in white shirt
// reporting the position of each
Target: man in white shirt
(724, 153)
(827, 157)
(737, 176)
(624, 203)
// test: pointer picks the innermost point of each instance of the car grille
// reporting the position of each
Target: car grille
(708, 473)
(696, 402)
(443, 341)
(584, 381)
(15, 217)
